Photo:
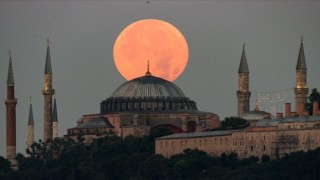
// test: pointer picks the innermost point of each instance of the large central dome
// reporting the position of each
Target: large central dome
(147, 93)
(148, 87)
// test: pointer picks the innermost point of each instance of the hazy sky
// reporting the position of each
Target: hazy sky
(82, 34)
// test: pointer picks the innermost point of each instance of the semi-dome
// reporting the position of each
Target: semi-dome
(148, 87)
(147, 93)
(96, 122)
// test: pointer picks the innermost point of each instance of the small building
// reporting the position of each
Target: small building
(96, 128)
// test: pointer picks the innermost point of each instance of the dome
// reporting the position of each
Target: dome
(148, 87)
(147, 93)
(254, 115)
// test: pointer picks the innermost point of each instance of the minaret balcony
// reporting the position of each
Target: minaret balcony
(11, 101)
(301, 90)
(48, 92)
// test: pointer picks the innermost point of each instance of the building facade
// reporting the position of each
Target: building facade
(273, 137)
(141, 105)
(283, 134)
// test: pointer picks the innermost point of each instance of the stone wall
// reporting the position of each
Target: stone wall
(250, 142)
(213, 145)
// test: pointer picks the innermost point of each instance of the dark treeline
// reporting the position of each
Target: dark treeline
(134, 158)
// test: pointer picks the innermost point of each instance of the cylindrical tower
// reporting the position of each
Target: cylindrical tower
(47, 92)
(30, 127)
(11, 114)
(301, 90)
(243, 92)
(54, 120)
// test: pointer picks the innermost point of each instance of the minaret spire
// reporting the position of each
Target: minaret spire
(243, 68)
(301, 63)
(47, 91)
(10, 80)
(55, 119)
(30, 127)
(243, 92)
(148, 73)
(48, 69)
(11, 102)
(30, 120)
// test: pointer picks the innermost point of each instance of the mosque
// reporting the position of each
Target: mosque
(148, 103)
(136, 108)
(141, 105)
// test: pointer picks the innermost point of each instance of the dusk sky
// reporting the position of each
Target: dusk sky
(82, 35)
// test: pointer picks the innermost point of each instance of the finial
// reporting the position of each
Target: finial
(30, 100)
(257, 105)
(9, 51)
(148, 72)
(301, 39)
(244, 45)
(48, 42)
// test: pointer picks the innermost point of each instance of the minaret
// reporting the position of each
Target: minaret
(30, 127)
(243, 92)
(301, 90)
(54, 120)
(11, 114)
(47, 92)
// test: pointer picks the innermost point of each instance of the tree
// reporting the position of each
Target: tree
(313, 96)
(234, 123)
(265, 158)
(4, 166)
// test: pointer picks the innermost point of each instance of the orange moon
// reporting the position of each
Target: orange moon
(153, 40)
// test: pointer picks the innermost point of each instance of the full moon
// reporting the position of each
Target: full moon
(153, 40)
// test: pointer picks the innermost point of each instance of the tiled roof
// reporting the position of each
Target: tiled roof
(196, 134)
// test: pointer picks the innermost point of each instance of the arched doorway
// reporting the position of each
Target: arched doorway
(191, 126)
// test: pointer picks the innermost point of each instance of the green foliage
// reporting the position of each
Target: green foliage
(313, 96)
(232, 123)
(134, 158)
(265, 158)
(4, 166)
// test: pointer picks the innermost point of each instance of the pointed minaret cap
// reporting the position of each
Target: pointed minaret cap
(54, 111)
(243, 68)
(30, 121)
(10, 80)
(48, 69)
(301, 64)
(148, 73)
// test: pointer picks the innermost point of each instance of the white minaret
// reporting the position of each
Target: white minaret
(54, 120)
(30, 127)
